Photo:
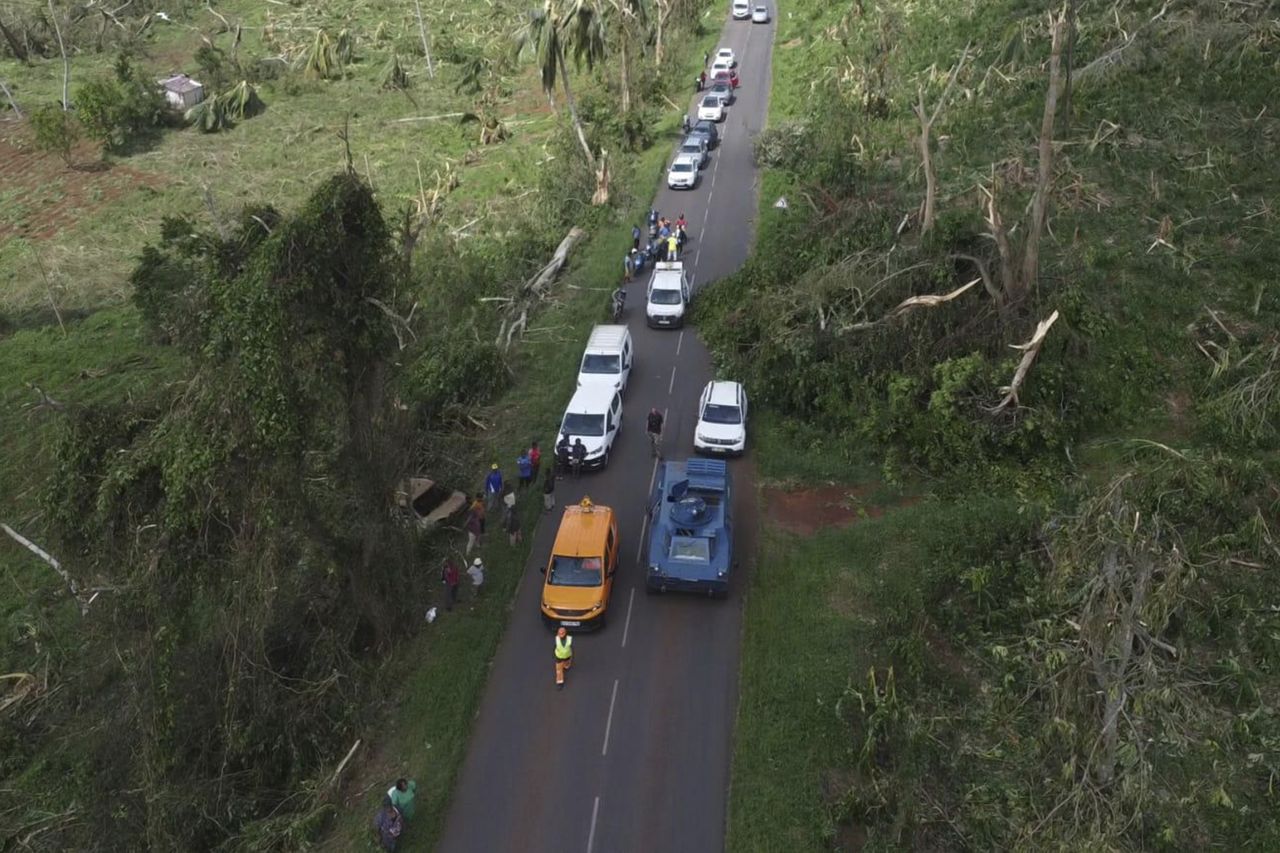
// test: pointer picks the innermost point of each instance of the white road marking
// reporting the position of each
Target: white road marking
(712, 191)
(608, 723)
(672, 384)
(626, 626)
(591, 836)
(680, 340)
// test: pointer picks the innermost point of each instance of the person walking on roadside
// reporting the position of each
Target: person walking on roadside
(564, 656)
(681, 224)
(653, 428)
(535, 459)
(549, 490)
(492, 486)
(476, 572)
(524, 468)
(449, 577)
(635, 236)
(628, 265)
(684, 123)
(387, 826)
(702, 80)
(514, 535)
(401, 796)
(477, 506)
(474, 525)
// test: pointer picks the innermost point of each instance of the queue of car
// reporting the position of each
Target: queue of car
(690, 538)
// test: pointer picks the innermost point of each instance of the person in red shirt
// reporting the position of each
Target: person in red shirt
(449, 575)
(535, 459)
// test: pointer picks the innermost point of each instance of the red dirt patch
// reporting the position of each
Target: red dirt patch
(807, 511)
(39, 195)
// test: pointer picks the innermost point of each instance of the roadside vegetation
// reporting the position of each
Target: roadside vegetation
(245, 329)
(1023, 299)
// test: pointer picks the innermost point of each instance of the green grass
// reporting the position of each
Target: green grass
(278, 156)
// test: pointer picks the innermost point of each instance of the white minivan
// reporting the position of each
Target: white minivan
(594, 415)
(607, 360)
(668, 296)
(741, 10)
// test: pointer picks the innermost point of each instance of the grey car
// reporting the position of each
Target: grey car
(706, 130)
(695, 147)
(725, 91)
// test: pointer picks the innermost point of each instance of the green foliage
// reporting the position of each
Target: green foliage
(327, 57)
(55, 130)
(252, 501)
(223, 110)
(122, 110)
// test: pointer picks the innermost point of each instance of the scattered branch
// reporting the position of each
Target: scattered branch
(1029, 352)
(928, 300)
(53, 563)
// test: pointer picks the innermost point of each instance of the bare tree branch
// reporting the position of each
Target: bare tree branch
(926, 155)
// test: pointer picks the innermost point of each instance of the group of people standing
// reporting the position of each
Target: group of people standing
(666, 242)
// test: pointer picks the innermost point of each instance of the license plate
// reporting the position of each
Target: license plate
(569, 624)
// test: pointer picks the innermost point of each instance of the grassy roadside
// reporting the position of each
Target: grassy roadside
(442, 672)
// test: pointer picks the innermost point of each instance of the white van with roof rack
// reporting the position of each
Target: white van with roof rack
(607, 360)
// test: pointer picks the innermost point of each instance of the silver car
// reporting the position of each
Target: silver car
(695, 147)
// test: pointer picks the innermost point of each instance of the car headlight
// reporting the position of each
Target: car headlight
(653, 569)
(592, 454)
(702, 437)
(720, 573)
(596, 606)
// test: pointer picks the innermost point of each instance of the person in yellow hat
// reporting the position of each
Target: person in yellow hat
(564, 656)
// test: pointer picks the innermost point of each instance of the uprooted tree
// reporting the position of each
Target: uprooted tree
(243, 518)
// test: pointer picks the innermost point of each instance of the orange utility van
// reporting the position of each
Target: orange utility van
(579, 573)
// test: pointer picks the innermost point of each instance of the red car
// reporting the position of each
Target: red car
(730, 76)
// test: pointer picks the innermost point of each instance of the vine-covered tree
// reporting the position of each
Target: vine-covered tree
(244, 518)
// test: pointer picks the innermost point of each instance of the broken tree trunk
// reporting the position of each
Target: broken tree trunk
(926, 155)
(426, 44)
(1044, 172)
(1029, 352)
(537, 285)
(928, 300)
(66, 63)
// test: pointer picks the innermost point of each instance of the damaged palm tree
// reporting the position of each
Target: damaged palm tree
(573, 26)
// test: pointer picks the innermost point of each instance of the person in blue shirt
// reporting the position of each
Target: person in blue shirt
(635, 237)
(524, 466)
(492, 486)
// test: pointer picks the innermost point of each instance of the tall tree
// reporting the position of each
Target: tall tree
(625, 18)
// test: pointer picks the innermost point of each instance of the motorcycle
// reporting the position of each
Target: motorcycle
(619, 302)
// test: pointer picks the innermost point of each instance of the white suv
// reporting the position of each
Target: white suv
(741, 10)
(683, 174)
(722, 419)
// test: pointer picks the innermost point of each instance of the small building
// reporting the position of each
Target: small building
(181, 92)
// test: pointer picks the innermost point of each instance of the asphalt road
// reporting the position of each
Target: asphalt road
(634, 754)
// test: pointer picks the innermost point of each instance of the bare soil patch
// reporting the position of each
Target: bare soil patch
(806, 511)
(40, 195)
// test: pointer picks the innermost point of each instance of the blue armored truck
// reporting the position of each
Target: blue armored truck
(691, 530)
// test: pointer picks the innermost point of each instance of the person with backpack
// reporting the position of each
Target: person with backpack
(653, 428)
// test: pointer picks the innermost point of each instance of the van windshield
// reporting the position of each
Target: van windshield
(593, 363)
(576, 571)
(580, 424)
(664, 297)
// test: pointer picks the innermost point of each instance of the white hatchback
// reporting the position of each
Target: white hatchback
(722, 419)
(725, 55)
(760, 15)
(711, 108)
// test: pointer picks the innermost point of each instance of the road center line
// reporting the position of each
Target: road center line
(626, 626)
(608, 724)
(591, 836)
(680, 340)
(672, 384)
(712, 190)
